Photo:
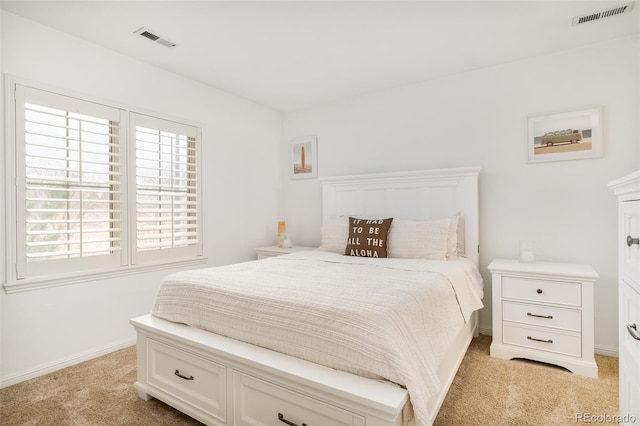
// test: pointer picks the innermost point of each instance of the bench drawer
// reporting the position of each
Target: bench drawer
(260, 403)
(195, 381)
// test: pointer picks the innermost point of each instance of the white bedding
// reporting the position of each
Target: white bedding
(379, 318)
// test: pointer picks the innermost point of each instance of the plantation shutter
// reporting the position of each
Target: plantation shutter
(69, 174)
(167, 193)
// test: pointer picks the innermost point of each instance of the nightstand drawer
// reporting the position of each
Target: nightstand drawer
(546, 316)
(542, 338)
(543, 291)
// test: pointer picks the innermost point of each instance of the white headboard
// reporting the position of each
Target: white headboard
(424, 194)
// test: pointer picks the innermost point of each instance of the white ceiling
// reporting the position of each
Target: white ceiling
(293, 55)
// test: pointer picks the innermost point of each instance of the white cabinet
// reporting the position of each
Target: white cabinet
(544, 312)
(628, 191)
(272, 251)
(629, 361)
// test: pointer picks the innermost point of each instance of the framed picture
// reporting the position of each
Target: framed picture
(304, 158)
(569, 135)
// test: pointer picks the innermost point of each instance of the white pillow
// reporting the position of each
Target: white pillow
(460, 237)
(334, 235)
(455, 242)
(419, 239)
(452, 238)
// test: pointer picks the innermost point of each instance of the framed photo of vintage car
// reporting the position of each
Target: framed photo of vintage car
(569, 135)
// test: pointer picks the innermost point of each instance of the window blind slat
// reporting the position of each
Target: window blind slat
(71, 221)
(72, 200)
(191, 204)
(72, 231)
(36, 164)
(69, 253)
(168, 218)
(166, 227)
(63, 187)
(164, 245)
(49, 142)
(69, 242)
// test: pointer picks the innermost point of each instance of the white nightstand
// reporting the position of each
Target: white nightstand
(271, 251)
(544, 312)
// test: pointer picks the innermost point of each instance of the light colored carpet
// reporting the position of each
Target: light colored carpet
(486, 391)
(490, 391)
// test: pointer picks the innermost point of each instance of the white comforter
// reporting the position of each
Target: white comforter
(379, 318)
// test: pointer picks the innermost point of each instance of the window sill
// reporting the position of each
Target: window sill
(29, 284)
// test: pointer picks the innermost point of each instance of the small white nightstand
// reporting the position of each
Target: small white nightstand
(544, 312)
(271, 251)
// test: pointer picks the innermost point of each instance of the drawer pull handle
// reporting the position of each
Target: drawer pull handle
(539, 340)
(177, 373)
(633, 331)
(283, 420)
(632, 241)
(539, 291)
(540, 316)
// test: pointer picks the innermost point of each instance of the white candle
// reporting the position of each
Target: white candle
(527, 257)
(527, 251)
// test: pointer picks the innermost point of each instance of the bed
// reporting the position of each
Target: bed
(322, 338)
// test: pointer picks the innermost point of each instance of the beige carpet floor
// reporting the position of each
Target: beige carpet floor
(486, 391)
(490, 391)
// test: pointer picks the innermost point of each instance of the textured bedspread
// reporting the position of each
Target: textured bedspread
(379, 318)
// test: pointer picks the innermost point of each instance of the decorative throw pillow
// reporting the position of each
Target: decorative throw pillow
(368, 237)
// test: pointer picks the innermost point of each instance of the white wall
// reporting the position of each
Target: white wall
(44, 329)
(478, 119)
(469, 119)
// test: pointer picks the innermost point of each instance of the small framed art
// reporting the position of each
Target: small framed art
(568, 135)
(304, 158)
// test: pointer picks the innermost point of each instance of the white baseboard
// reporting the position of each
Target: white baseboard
(486, 330)
(598, 349)
(66, 362)
(606, 350)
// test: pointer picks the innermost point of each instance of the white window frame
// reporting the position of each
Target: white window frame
(41, 268)
(128, 262)
(143, 120)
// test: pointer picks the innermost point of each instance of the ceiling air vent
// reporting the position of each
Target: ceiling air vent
(613, 11)
(151, 36)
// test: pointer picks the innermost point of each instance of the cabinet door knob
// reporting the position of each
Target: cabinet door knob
(539, 291)
(633, 331)
(631, 241)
